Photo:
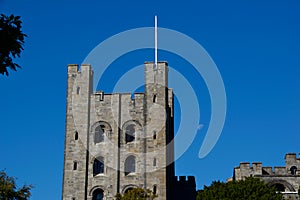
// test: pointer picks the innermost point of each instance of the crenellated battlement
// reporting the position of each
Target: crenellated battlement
(100, 95)
(77, 69)
(184, 183)
(287, 177)
(185, 179)
(247, 169)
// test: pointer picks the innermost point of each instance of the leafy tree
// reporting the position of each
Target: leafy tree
(137, 194)
(9, 191)
(11, 42)
(250, 188)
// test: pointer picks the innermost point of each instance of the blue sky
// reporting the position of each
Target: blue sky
(255, 45)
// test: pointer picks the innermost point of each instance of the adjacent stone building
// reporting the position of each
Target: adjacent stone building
(116, 142)
(286, 178)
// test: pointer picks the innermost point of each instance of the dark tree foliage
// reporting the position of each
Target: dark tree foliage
(248, 189)
(137, 194)
(9, 190)
(11, 42)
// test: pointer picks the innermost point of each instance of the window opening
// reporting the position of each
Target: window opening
(154, 98)
(154, 135)
(98, 167)
(154, 162)
(76, 135)
(130, 133)
(293, 170)
(98, 194)
(75, 165)
(99, 133)
(154, 189)
(129, 165)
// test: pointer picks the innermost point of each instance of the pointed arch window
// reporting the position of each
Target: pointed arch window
(98, 166)
(99, 133)
(129, 165)
(98, 194)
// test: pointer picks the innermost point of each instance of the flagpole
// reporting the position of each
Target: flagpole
(155, 39)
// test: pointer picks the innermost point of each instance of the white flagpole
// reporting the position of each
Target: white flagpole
(155, 39)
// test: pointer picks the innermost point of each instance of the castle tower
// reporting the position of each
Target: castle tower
(114, 142)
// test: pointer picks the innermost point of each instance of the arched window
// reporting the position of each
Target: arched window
(98, 194)
(98, 166)
(99, 133)
(293, 170)
(76, 135)
(130, 133)
(129, 165)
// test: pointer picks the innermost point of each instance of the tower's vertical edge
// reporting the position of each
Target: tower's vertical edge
(157, 129)
(79, 90)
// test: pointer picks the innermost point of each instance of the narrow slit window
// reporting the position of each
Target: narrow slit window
(154, 98)
(75, 165)
(78, 90)
(154, 135)
(76, 135)
(154, 162)
(154, 189)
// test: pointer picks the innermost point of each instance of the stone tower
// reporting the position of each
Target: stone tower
(116, 142)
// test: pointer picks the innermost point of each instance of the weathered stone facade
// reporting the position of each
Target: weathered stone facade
(286, 179)
(116, 142)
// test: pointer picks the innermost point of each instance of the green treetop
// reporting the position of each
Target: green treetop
(250, 188)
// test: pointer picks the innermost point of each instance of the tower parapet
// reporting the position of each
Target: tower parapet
(285, 178)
